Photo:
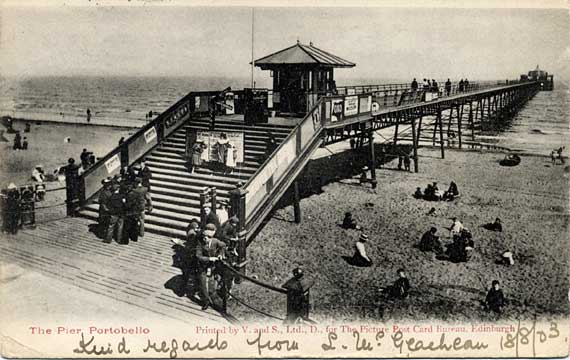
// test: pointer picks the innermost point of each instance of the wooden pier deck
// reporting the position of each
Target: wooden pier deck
(138, 274)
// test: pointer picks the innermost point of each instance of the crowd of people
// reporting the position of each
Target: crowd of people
(459, 248)
(433, 86)
(207, 243)
(433, 193)
(123, 202)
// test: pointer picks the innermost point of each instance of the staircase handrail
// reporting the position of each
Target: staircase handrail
(164, 124)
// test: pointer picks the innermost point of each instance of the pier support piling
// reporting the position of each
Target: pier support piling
(372, 159)
(415, 140)
(440, 121)
(296, 203)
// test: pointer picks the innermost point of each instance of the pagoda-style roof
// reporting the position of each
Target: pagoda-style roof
(300, 54)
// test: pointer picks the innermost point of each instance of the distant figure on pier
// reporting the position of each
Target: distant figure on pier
(447, 87)
(466, 85)
(495, 299)
(425, 85)
(414, 85)
(429, 86)
(88, 115)
(434, 86)
(461, 86)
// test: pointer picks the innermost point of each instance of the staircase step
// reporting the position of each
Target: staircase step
(185, 188)
(236, 174)
(181, 162)
(177, 180)
(175, 155)
(197, 177)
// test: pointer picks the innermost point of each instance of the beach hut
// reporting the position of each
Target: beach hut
(301, 74)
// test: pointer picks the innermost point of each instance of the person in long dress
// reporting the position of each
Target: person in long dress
(196, 160)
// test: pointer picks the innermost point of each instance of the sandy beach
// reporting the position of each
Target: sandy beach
(531, 199)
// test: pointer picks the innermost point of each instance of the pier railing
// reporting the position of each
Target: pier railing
(142, 142)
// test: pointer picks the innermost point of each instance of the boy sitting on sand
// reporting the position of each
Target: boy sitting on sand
(349, 222)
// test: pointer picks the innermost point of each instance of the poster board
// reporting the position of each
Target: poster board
(210, 139)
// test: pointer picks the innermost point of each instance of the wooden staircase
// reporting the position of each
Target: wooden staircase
(176, 192)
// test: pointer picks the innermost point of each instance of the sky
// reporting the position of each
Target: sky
(169, 38)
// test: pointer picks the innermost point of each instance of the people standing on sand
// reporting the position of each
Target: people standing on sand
(400, 161)
(407, 162)
(88, 115)
(297, 297)
(447, 87)
(17, 141)
(360, 258)
(560, 157)
(27, 127)
(25, 143)
(553, 157)
(495, 299)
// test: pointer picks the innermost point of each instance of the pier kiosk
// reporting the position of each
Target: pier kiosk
(301, 75)
(546, 80)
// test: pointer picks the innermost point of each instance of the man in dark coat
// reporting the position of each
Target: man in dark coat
(495, 299)
(13, 211)
(448, 87)
(211, 217)
(297, 299)
(104, 197)
(145, 175)
(229, 230)
(401, 286)
(207, 253)
(71, 185)
(135, 205)
(116, 214)
(430, 242)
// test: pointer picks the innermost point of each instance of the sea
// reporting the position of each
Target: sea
(542, 125)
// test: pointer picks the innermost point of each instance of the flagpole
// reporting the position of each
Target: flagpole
(252, 39)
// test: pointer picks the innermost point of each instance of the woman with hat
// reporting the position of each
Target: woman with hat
(360, 258)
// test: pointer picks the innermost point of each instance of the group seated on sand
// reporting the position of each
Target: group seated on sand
(432, 193)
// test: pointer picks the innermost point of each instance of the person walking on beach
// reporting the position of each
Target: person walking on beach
(495, 299)
(559, 151)
(297, 300)
(407, 162)
(88, 115)
(17, 141)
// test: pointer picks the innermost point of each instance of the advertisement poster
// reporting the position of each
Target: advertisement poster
(438, 229)
(213, 140)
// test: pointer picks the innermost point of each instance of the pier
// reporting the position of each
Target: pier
(315, 115)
